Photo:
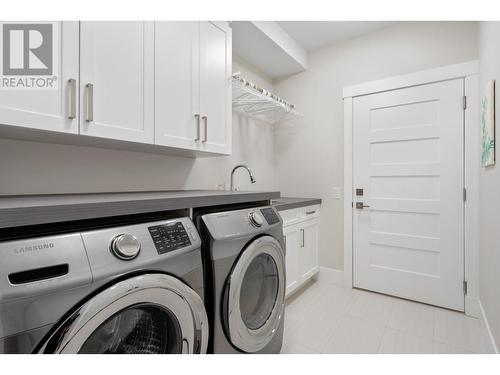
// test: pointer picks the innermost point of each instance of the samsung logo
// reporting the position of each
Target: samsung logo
(29, 249)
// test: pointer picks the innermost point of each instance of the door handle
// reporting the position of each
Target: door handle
(205, 119)
(71, 98)
(303, 238)
(89, 116)
(360, 205)
(197, 117)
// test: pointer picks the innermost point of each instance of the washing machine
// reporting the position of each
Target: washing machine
(244, 259)
(127, 289)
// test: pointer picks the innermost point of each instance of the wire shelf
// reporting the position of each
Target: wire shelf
(254, 101)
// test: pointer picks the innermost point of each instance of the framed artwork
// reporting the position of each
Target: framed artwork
(488, 125)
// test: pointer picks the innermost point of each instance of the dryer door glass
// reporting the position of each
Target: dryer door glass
(141, 329)
(259, 291)
(254, 295)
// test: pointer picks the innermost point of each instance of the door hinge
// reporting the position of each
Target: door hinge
(465, 287)
(465, 194)
(465, 102)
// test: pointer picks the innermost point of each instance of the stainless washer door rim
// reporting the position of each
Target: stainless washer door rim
(241, 336)
(158, 289)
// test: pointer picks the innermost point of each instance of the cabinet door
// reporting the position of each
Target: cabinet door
(117, 80)
(308, 248)
(177, 84)
(46, 109)
(215, 86)
(292, 257)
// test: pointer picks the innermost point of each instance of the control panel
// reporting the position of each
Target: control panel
(171, 236)
(270, 215)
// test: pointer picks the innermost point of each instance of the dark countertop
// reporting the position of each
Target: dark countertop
(41, 209)
(285, 203)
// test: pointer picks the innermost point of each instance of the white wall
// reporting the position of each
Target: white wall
(489, 185)
(42, 168)
(309, 151)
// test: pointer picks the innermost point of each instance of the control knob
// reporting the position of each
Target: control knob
(256, 219)
(125, 246)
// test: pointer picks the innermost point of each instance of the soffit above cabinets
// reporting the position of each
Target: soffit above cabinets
(265, 45)
(280, 48)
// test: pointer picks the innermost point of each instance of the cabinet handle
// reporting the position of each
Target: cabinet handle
(89, 116)
(303, 238)
(71, 98)
(205, 119)
(310, 212)
(197, 117)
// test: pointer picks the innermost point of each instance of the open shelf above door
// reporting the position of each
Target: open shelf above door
(254, 101)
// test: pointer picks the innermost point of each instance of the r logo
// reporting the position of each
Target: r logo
(27, 49)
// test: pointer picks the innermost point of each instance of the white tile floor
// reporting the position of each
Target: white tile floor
(326, 318)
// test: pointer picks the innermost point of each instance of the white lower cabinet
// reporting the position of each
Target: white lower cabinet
(301, 231)
(308, 250)
(292, 257)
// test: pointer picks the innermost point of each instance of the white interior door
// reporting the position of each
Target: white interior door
(408, 157)
(177, 84)
(117, 59)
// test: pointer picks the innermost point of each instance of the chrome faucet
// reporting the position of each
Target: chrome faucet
(252, 179)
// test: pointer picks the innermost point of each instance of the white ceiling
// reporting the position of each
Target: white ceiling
(312, 35)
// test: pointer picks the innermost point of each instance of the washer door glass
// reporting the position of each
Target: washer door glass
(141, 329)
(259, 291)
(150, 313)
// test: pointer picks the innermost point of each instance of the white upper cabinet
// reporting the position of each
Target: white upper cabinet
(193, 85)
(215, 86)
(177, 82)
(45, 109)
(117, 80)
(143, 84)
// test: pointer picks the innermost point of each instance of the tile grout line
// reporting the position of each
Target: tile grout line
(434, 323)
(385, 326)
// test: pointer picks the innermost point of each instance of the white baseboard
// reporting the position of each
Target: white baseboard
(472, 307)
(485, 320)
(332, 276)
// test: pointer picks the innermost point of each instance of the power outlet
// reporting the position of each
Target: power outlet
(336, 192)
